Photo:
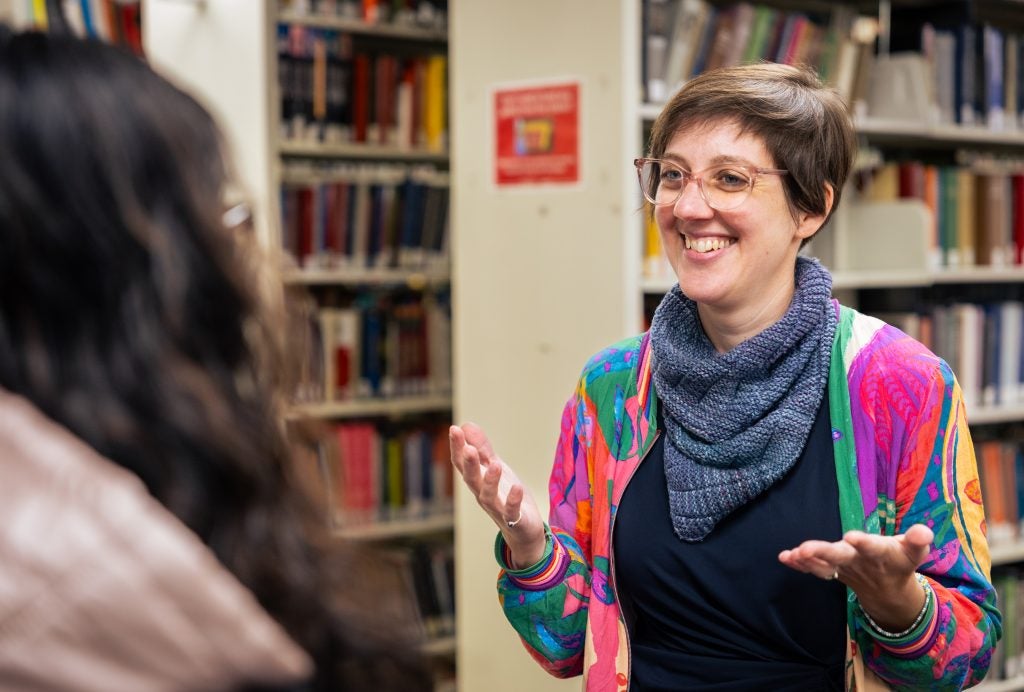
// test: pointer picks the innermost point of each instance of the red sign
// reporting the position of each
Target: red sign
(537, 134)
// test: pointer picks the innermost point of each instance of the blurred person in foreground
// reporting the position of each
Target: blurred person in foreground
(156, 535)
(767, 490)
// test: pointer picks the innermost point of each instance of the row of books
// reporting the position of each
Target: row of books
(428, 14)
(655, 263)
(112, 21)
(975, 70)
(1008, 657)
(335, 93)
(977, 211)
(981, 343)
(366, 216)
(1001, 472)
(422, 588)
(683, 38)
(1001, 476)
(377, 473)
(944, 67)
(381, 346)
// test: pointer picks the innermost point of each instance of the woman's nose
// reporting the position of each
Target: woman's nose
(691, 203)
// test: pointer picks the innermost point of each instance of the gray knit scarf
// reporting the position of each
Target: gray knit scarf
(738, 421)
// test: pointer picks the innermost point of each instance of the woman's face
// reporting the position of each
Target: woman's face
(757, 242)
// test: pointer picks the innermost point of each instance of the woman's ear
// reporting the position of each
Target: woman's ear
(810, 223)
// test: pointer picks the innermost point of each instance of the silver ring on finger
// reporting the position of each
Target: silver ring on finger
(513, 524)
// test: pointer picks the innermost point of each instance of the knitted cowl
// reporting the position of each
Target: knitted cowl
(736, 422)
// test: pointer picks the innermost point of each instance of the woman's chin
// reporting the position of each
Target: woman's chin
(701, 285)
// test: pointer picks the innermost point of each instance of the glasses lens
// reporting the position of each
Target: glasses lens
(238, 216)
(727, 187)
(661, 182)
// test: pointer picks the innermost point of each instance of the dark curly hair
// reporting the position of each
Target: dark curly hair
(131, 316)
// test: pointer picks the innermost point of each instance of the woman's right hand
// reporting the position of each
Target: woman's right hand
(499, 492)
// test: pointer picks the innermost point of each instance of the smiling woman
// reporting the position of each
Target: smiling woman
(738, 498)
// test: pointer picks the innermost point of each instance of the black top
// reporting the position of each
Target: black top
(724, 613)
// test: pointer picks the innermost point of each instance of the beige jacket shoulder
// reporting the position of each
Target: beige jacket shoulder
(101, 588)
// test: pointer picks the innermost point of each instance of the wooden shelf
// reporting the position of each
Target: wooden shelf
(1007, 553)
(841, 280)
(1014, 685)
(903, 130)
(416, 279)
(924, 278)
(881, 279)
(894, 278)
(366, 408)
(913, 132)
(398, 528)
(357, 26)
(439, 646)
(649, 112)
(358, 150)
(979, 275)
(995, 414)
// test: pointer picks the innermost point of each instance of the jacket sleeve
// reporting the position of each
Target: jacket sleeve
(547, 602)
(921, 428)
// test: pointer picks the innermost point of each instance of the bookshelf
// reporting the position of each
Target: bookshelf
(111, 21)
(345, 84)
(336, 120)
(350, 171)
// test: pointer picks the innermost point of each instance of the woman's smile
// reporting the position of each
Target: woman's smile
(707, 244)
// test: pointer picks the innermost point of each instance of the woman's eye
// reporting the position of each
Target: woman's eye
(671, 175)
(730, 179)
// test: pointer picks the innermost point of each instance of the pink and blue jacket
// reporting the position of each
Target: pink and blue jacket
(903, 455)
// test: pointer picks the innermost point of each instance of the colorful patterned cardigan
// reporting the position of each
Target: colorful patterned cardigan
(896, 410)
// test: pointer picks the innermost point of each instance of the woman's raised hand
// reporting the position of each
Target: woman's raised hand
(879, 569)
(499, 492)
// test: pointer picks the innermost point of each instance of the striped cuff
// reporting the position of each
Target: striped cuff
(547, 572)
(916, 641)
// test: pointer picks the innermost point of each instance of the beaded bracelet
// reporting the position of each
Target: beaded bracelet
(885, 634)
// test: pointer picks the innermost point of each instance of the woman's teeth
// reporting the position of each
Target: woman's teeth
(707, 244)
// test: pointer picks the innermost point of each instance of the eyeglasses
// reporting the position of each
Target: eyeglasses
(238, 217)
(723, 187)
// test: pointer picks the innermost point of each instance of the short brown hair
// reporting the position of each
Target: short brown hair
(804, 125)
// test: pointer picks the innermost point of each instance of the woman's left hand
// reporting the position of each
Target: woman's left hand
(879, 569)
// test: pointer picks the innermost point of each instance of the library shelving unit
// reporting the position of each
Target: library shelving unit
(363, 182)
(105, 20)
(335, 114)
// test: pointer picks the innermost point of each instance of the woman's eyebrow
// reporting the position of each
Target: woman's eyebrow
(715, 161)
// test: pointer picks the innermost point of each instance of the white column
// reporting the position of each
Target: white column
(540, 278)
